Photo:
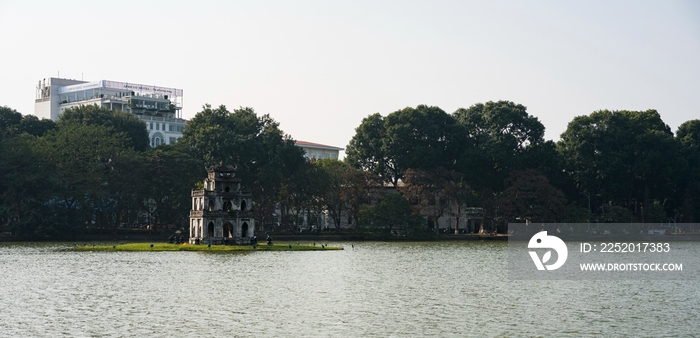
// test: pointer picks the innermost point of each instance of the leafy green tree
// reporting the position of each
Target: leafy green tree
(263, 154)
(688, 184)
(430, 192)
(23, 190)
(498, 135)
(366, 150)
(461, 196)
(392, 215)
(529, 196)
(360, 188)
(627, 158)
(304, 191)
(30, 124)
(613, 214)
(127, 184)
(169, 174)
(419, 138)
(575, 214)
(134, 129)
(9, 121)
(332, 174)
(77, 161)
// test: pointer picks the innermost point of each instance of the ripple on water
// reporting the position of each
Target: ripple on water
(375, 289)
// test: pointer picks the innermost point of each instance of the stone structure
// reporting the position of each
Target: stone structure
(221, 212)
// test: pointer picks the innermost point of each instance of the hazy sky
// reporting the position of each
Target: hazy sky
(320, 67)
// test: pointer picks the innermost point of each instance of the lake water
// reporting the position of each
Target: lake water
(373, 290)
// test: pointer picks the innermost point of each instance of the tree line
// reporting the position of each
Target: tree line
(95, 168)
(609, 166)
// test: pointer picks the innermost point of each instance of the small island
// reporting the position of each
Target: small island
(203, 247)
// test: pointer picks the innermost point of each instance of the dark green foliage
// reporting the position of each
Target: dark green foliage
(433, 192)
(688, 182)
(94, 168)
(304, 190)
(133, 128)
(575, 214)
(529, 196)
(9, 120)
(169, 173)
(626, 158)
(418, 138)
(613, 214)
(366, 150)
(392, 215)
(264, 155)
(332, 175)
(13, 123)
(79, 162)
(499, 136)
(31, 125)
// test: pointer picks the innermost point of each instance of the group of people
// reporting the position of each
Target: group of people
(180, 239)
(176, 239)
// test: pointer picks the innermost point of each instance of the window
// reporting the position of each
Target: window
(150, 126)
(173, 140)
(157, 126)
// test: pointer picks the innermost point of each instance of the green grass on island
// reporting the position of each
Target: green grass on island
(201, 247)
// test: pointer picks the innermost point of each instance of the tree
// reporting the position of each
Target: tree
(392, 215)
(419, 138)
(461, 196)
(134, 129)
(332, 174)
(432, 192)
(366, 151)
(626, 158)
(304, 191)
(529, 196)
(169, 174)
(23, 191)
(360, 188)
(77, 161)
(9, 121)
(263, 154)
(688, 183)
(498, 135)
(30, 124)
(13, 123)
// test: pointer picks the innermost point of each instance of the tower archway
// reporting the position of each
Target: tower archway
(228, 229)
(210, 229)
(244, 230)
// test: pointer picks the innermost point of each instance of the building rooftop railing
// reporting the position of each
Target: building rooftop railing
(160, 119)
(120, 99)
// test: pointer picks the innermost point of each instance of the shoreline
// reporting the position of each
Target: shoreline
(160, 247)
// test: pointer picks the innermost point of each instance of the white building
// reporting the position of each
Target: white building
(318, 151)
(159, 107)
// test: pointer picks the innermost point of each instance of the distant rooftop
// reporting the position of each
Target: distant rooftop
(316, 145)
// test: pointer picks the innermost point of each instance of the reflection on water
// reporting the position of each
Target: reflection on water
(375, 289)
